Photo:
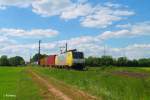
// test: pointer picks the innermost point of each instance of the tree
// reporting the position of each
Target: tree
(132, 63)
(17, 60)
(122, 61)
(144, 62)
(35, 58)
(106, 60)
(4, 61)
(97, 61)
(92, 61)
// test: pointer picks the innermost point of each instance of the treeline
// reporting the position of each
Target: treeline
(121, 61)
(12, 61)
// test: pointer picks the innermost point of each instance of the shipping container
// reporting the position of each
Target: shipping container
(61, 59)
(43, 61)
(51, 60)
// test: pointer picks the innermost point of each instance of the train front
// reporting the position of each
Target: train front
(78, 60)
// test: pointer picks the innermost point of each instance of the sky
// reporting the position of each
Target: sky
(122, 27)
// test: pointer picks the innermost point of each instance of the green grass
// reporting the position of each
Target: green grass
(102, 83)
(16, 83)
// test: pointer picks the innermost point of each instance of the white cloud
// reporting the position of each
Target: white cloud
(5, 41)
(42, 7)
(109, 4)
(18, 3)
(76, 10)
(141, 28)
(90, 48)
(26, 50)
(94, 16)
(113, 34)
(80, 40)
(50, 7)
(103, 17)
(90, 45)
(138, 29)
(136, 51)
(98, 16)
(123, 25)
(12, 48)
(30, 33)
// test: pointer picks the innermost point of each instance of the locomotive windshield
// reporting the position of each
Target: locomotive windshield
(78, 55)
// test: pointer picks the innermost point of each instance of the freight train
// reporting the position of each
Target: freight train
(68, 59)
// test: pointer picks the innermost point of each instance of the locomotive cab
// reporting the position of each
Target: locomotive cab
(78, 59)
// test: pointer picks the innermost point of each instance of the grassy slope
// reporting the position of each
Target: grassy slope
(16, 81)
(101, 83)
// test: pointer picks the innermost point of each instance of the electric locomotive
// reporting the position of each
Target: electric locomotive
(71, 58)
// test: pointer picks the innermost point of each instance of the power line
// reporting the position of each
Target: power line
(39, 52)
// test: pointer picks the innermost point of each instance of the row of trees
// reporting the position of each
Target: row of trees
(13, 61)
(121, 61)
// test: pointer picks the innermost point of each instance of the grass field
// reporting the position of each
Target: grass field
(107, 83)
(111, 83)
(16, 83)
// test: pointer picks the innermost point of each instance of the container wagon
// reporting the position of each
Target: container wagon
(43, 61)
(50, 60)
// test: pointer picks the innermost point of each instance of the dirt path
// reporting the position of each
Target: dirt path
(60, 91)
(51, 89)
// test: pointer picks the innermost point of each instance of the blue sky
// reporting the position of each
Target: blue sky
(122, 26)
